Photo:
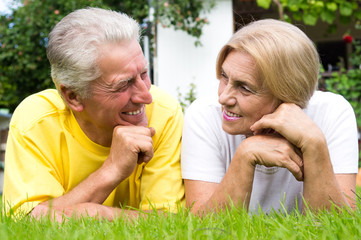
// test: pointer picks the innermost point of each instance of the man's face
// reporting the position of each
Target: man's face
(120, 94)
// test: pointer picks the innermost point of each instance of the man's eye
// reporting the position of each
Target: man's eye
(121, 86)
(144, 75)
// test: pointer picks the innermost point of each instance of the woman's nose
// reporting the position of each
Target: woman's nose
(227, 96)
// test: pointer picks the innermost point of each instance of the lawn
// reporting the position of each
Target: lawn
(231, 224)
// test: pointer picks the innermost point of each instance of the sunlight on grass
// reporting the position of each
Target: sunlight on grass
(230, 224)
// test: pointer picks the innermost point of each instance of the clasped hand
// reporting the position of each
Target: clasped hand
(294, 134)
(131, 145)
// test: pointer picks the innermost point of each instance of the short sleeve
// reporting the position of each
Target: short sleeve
(336, 118)
(26, 172)
(201, 157)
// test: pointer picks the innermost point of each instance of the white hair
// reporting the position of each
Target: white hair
(74, 45)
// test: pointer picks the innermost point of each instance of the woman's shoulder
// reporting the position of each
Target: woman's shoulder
(322, 99)
(204, 107)
(327, 102)
(328, 109)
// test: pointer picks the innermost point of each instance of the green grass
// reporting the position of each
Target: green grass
(230, 224)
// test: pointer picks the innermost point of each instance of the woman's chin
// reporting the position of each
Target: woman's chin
(235, 131)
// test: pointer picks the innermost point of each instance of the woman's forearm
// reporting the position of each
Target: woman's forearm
(321, 188)
(235, 187)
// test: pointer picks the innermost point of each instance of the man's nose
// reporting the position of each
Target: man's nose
(140, 93)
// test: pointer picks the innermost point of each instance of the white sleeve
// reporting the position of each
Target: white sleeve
(337, 120)
(201, 154)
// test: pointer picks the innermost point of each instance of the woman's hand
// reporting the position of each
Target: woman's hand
(270, 151)
(292, 123)
(321, 188)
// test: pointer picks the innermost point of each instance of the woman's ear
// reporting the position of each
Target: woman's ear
(72, 99)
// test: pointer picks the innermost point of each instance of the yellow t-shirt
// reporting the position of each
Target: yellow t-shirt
(48, 154)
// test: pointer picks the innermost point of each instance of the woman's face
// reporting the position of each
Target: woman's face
(243, 100)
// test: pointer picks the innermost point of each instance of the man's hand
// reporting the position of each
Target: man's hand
(130, 145)
(44, 210)
(62, 214)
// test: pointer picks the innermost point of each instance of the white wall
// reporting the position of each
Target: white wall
(180, 63)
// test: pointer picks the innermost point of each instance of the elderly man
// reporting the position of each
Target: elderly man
(106, 139)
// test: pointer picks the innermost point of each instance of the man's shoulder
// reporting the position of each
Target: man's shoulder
(36, 107)
(162, 99)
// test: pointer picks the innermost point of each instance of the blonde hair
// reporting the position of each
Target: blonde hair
(286, 59)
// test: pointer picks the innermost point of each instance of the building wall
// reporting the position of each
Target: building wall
(179, 63)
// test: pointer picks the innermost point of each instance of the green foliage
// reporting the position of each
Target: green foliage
(348, 82)
(310, 11)
(23, 64)
(24, 68)
(184, 15)
(137, 9)
(188, 98)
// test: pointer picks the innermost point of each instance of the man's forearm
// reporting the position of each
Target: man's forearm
(94, 189)
(94, 210)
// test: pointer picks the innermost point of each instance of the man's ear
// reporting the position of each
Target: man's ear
(71, 98)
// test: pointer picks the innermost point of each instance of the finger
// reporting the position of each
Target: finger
(295, 162)
(146, 151)
(265, 124)
(296, 156)
(152, 131)
(124, 130)
(295, 169)
(292, 160)
(144, 157)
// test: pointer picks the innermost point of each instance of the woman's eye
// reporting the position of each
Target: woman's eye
(223, 75)
(223, 78)
(244, 88)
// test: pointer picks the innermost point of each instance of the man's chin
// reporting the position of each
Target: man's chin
(137, 120)
(144, 122)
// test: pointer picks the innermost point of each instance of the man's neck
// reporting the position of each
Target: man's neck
(94, 133)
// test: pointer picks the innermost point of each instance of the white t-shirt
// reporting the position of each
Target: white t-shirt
(207, 150)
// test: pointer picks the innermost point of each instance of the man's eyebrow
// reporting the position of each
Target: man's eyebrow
(121, 81)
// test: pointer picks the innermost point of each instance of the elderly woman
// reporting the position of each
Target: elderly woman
(272, 141)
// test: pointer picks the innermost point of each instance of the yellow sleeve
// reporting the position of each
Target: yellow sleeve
(30, 178)
(161, 180)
